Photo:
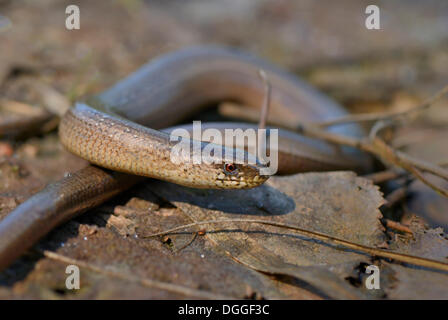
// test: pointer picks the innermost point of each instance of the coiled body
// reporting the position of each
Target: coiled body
(108, 132)
(167, 90)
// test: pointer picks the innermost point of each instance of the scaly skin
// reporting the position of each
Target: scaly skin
(121, 145)
(158, 95)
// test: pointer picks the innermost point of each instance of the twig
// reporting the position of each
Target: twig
(396, 157)
(386, 175)
(418, 261)
(396, 196)
(382, 151)
(188, 292)
(397, 226)
(264, 115)
(401, 158)
(420, 176)
(195, 235)
(373, 146)
(266, 100)
(406, 161)
(383, 115)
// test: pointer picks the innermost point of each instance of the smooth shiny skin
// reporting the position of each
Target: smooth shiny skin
(169, 89)
(296, 153)
(108, 131)
(122, 145)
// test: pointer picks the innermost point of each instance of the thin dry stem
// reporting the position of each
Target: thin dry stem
(266, 100)
(378, 116)
(188, 292)
(397, 226)
(384, 152)
(418, 261)
(386, 175)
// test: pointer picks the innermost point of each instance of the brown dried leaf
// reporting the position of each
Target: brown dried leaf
(339, 204)
(418, 283)
(123, 225)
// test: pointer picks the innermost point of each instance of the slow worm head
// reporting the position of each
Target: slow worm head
(118, 144)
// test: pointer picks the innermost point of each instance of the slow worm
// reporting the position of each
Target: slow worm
(119, 130)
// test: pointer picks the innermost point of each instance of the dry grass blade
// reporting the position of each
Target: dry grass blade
(383, 176)
(374, 145)
(418, 261)
(378, 116)
(266, 100)
(384, 152)
(188, 292)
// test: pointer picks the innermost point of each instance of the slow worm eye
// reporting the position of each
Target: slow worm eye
(230, 168)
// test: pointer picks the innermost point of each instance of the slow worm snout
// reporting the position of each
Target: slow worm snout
(122, 145)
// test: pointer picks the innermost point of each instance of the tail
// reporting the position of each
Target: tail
(55, 204)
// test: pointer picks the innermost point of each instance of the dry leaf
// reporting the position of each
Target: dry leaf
(339, 204)
(418, 283)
